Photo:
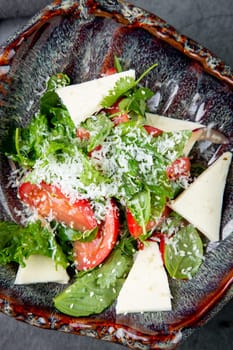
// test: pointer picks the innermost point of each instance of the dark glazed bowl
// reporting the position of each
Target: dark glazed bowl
(81, 39)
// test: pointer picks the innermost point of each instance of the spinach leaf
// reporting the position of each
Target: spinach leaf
(95, 290)
(140, 208)
(183, 253)
(69, 234)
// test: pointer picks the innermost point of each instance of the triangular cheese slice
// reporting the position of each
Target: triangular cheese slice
(146, 288)
(170, 124)
(201, 203)
(41, 269)
(83, 100)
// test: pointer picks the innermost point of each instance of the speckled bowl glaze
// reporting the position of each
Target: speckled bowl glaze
(81, 39)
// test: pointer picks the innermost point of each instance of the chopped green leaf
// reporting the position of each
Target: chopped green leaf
(99, 127)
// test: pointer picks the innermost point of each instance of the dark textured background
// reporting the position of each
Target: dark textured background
(210, 22)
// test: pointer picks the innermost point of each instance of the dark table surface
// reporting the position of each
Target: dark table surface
(211, 24)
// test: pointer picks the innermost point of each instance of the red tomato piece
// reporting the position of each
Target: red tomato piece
(88, 255)
(114, 109)
(110, 71)
(136, 230)
(120, 118)
(50, 202)
(82, 133)
(152, 130)
(180, 167)
(160, 238)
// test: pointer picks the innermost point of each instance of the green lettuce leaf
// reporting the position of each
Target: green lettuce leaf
(17, 243)
(49, 130)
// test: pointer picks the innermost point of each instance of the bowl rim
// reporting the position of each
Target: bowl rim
(212, 65)
(152, 23)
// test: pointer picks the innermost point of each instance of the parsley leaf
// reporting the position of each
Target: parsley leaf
(122, 85)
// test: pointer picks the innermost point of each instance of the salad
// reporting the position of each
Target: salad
(96, 193)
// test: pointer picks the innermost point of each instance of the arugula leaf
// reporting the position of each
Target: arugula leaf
(50, 123)
(183, 253)
(90, 175)
(95, 290)
(99, 127)
(29, 141)
(17, 243)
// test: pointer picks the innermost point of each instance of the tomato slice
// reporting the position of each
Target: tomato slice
(180, 167)
(110, 71)
(88, 255)
(114, 109)
(82, 133)
(120, 118)
(152, 130)
(136, 230)
(50, 202)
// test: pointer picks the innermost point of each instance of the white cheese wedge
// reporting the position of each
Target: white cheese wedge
(146, 288)
(201, 203)
(171, 124)
(83, 100)
(41, 269)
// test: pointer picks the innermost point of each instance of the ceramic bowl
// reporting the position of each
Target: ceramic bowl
(81, 39)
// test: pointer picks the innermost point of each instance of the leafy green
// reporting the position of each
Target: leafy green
(123, 86)
(183, 253)
(139, 161)
(49, 130)
(99, 127)
(140, 207)
(69, 234)
(17, 243)
(95, 290)
(117, 64)
(58, 80)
